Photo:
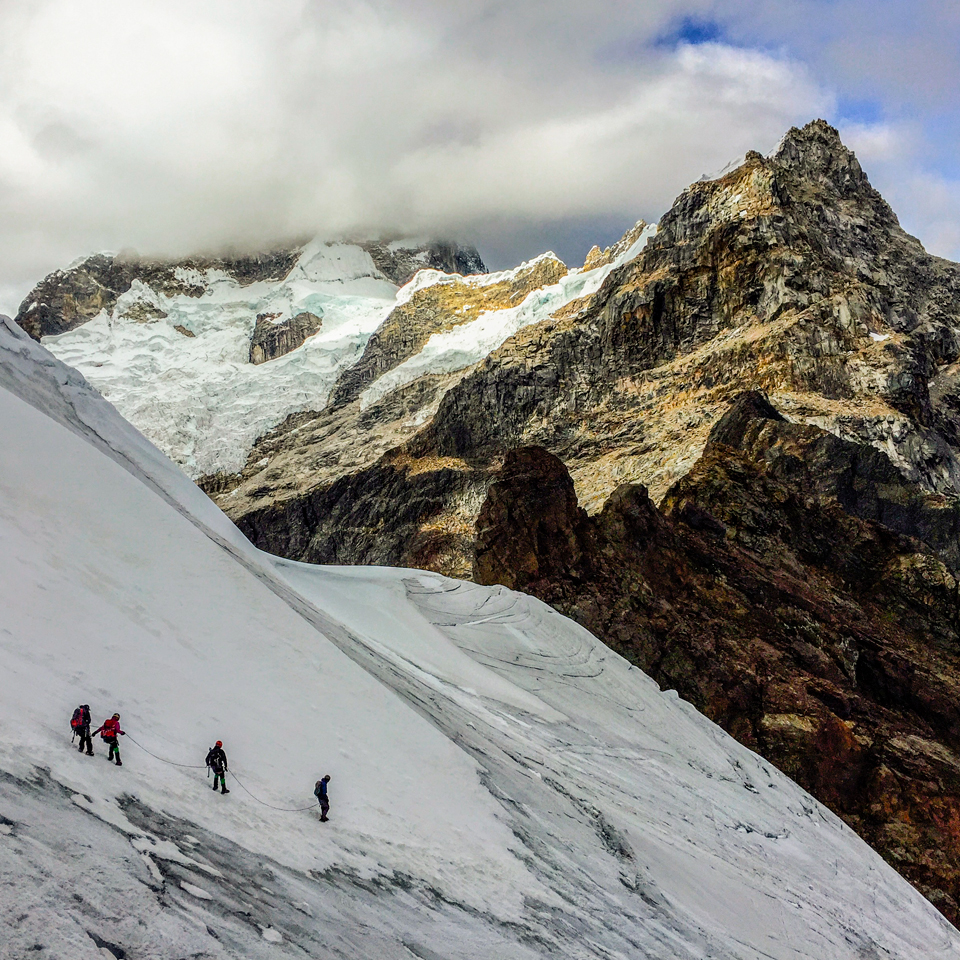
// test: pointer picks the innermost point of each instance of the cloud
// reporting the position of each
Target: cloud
(927, 201)
(895, 68)
(903, 52)
(170, 126)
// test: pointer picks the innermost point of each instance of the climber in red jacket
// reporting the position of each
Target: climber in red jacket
(108, 732)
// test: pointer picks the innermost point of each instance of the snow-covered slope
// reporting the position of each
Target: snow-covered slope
(174, 358)
(503, 785)
(195, 393)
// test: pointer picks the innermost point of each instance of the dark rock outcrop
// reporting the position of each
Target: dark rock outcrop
(65, 299)
(828, 643)
(859, 477)
(399, 263)
(392, 513)
(534, 499)
(68, 298)
(271, 340)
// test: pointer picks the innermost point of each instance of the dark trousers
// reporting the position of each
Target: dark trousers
(324, 807)
(85, 738)
(114, 748)
(222, 777)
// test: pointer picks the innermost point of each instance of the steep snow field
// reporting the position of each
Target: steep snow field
(201, 400)
(503, 785)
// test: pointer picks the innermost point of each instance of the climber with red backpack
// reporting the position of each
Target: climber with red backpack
(81, 724)
(108, 731)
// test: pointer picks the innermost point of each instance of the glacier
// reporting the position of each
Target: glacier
(200, 400)
(503, 785)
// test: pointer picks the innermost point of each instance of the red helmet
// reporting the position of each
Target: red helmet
(219, 743)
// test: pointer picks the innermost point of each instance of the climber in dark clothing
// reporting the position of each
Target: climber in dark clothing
(83, 728)
(320, 792)
(217, 761)
(109, 731)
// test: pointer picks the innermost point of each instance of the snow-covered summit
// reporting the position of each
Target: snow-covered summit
(504, 786)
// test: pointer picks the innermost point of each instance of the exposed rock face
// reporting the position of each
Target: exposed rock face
(275, 339)
(781, 275)
(859, 477)
(549, 533)
(417, 508)
(789, 274)
(400, 260)
(68, 298)
(826, 642)
(597, 257)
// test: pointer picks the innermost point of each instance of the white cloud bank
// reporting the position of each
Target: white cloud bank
(170, 126)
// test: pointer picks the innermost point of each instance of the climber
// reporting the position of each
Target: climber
(108, 731)
(217, 761)
(81, 724)
(320, 792)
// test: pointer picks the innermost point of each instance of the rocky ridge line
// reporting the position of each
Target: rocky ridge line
(789, 274)
(826, 642)
(68, 298)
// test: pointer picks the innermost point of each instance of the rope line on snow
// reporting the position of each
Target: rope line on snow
(270, 805)
(173, 763)
(201, 766)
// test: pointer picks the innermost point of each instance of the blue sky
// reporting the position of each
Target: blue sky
(171, 127)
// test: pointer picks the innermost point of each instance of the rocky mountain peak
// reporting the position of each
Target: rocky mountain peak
(817, 153)
(66, 299)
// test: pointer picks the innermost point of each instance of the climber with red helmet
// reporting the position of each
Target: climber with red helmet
(109, 730)
(217, 761)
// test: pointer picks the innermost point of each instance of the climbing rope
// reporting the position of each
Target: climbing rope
(270, 805)
(201, 766)
(173, 763)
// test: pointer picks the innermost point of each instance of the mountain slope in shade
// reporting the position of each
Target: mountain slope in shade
(503, 785)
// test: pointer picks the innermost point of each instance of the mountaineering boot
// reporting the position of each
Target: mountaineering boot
(119, 762)
(224, 790)
(89, 753)
(214, 788)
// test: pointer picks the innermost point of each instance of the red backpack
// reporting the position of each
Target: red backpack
(76, 721)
